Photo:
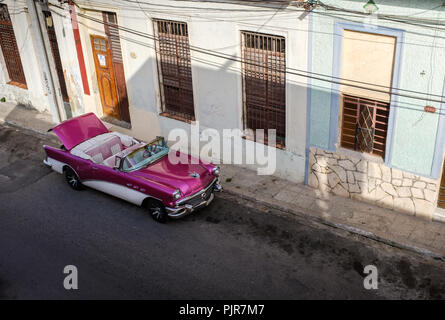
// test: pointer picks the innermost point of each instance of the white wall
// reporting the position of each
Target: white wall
(217, 82)
(36, 94)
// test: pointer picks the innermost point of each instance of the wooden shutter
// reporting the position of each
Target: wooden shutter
(112, 32)
(56, 55)
(264, 79)
(441, 200)
(10, 50)
(175, 69)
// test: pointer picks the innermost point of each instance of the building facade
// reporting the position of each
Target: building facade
(350, 94)
(376, 131)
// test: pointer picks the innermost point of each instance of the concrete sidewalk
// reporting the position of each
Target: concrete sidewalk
(383, 225)
(387, 226)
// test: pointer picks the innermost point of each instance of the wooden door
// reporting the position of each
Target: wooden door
(441, 200)
(105, 76)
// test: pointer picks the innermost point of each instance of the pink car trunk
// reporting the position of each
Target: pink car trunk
(77, 130)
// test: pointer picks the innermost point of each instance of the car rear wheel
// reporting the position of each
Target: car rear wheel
(157, 210)
(72, 179)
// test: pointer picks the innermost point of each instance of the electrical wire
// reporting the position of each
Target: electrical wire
(292, 69)
(237, 59)
(145, 35)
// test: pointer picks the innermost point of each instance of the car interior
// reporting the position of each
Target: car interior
(103, 148)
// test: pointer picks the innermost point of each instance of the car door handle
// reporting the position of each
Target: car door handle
(94, 168)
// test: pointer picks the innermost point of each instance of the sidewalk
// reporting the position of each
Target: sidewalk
(387, 226)
(383, 225)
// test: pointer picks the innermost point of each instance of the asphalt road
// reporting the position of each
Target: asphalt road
(230, 250)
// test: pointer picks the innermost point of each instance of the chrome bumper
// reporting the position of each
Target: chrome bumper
(186, 209)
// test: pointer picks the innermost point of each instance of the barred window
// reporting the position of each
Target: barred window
(364, 125)
(264, 81)
(175, 72)
(10, 50)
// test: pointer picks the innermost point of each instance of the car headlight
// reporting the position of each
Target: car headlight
(177, 194)
(215, 171)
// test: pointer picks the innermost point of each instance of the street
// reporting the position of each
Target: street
(232, 249)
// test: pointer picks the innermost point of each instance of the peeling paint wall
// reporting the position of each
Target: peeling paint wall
(35, 96)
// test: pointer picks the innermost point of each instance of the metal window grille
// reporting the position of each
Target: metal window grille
(364, 125)
(10, 50)
(264, 80)
(174, 66)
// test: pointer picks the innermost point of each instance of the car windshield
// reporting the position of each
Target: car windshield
(145, 155)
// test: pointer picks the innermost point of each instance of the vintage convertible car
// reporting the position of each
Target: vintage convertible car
(138, 172)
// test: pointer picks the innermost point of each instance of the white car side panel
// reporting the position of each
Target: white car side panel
(117, 190)
(56, 165)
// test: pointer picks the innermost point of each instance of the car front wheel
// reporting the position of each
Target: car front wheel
(72, 179)
(157, 210)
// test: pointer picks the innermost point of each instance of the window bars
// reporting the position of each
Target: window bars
(174, 67)
(264, 81)
(364, 125)
(10, 50)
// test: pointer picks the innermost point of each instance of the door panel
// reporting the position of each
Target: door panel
(105, 76)
(56, 55)
(112, 32)
(441, 200)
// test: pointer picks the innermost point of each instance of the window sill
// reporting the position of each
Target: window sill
(359, 155)
(17, 84)
(278, 146)
(176, 117)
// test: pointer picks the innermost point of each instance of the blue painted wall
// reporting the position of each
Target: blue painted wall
(415, 140)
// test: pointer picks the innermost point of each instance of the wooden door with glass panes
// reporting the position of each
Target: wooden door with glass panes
(105, 76)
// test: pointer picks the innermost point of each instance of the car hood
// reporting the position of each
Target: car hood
(177, 176)
(79, 129)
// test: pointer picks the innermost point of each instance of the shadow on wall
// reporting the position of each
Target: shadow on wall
(218, 105)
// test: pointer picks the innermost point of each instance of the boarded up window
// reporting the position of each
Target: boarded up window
(10, 50)
(264, 79)
(367, 58)
(174, 65)
(364, 125)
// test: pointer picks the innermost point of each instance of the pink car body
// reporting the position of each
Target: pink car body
(97, 157)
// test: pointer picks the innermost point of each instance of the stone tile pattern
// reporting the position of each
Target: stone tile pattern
(373, 182)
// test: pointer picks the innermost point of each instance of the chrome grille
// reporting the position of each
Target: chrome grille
(200, 196)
